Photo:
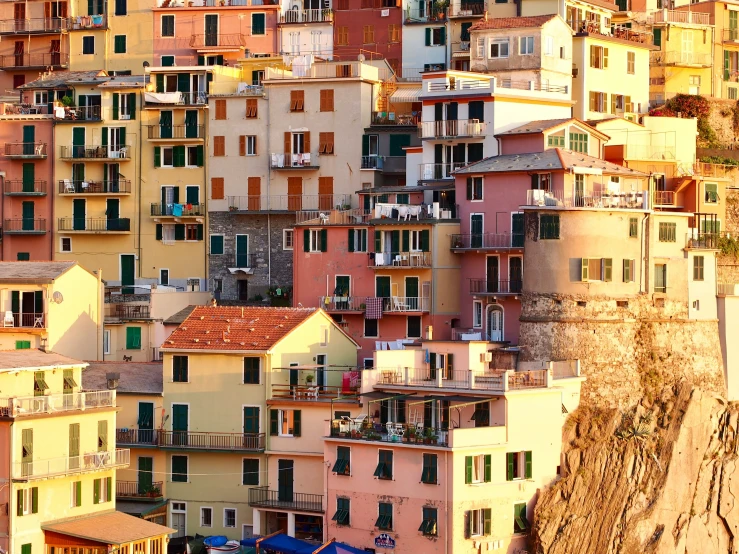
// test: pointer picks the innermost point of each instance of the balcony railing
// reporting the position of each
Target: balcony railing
(489, 379)
(176, 131)
(288, 202)
(134, 489)
(69, 186)
(142, 437)
(713, 170)
(210, 3)
(691, 59)
(132, 311)
(424, 15)
(21, 187)
(343, 303)
(495, 287)
(262, 497)
(371, 162)
(532, 85)
(71, 465)
(452, 128)
(436, 172)
(56, 403)
(12, 61)
(177, 210)
(83, 113)
(35, 25)
(589, 199)
(312, 392)
(307, 16)
(25, 150)
(398, 260)
(176, 98)
(294, 161)
(406, 119)
(211, 441)
(87, 152)
(218, 40)
(679, 16)
(82, 22)
(702, 240)
(493, 241)
(95, 224)
(29, 319)
(466, 9)
(25, 226)
(731, 35)
(664, 198)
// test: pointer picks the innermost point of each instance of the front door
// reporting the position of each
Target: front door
(242, 251)
(476, 231)
(411, 293)
(321, 371)
(495, 323)
(56, 52)
(342, 292)
(294, 377)
(382, 290)
(146, 466)
(113, 214)
(242, 289)
(78, 214)
(191, 124)
(128, 263)
(285, 480)
(28, 214)
(493, 274)
(178, 524)
(515, 270)
(211, 30)
(29, 176)
(294, 193)
(29, 139)
(146, 422)
(517, 230)
(179, 424)
(78, 142)
(19, 14)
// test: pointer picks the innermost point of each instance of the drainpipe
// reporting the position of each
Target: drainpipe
(446, 502)
(269, 203)
(101, 316)
(203, 201)
(138, 181)
(644, 274)
(2, 213)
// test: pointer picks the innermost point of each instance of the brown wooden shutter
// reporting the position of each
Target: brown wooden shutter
(294, 193)
(242, 145)
(219, 146)
(251, 108)
(306, 142)
(254, 190)
(220, 109)
(325, 193)
(288, 147)
(321, 142)
(216, 188)
(330, 143)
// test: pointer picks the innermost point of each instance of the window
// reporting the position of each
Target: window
(119, 44)
(357, 240)
(732, 93)
(216, 245)
(476, 314)
(39, 383)
(478, 469)
(667, 232)
(384, 469)
(251, 108)
(221, 109)
(526, 45)
(630, 62)
(414, 327)
(284, 423)
(499, 48)
(179, 369)
(371, 328)
(520, 523)
(621, 103)
(429, 472)
(598, 57)
(133, 338)
(258, 24)
(428, 522)
(579, 142)
(248, 145)
(629, 271)
(76, 494)
(393, 33)
(341, 517)
(342, 36)
(548, 226)
(697, 268)
(596, 269)
(556, 140)
(343, 461)
(435, 36)
(326, 143)
(106, 341)
(297, 100)
(598, 102)
(518, 465)
(633, 227)
(711, 193)
(206, 517)
(481, 415)
(102, 436)
(168, 26)
(660, 278)
(251, 370)
(477, 523)
(384, 516)
(179, 469)
(41, 98)
(102, 490)
(27, 501)
(24, 345)
(229, 517)
(219, 145)
(164, 156)
(474, 188)
(216, 188)
(121, 7)
(368, 34)
(88, 45)
(250, 472)
(316, 240)
(548, 46)
(287, 239)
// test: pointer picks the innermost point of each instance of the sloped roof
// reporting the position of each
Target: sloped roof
(179, 317)
(512, 22)
(550, 160)
(235, 328)
(36, 272)
(125, 81)
(541, 125)
(135, 377)
(34, 359)
(109, 528)
(60, 79)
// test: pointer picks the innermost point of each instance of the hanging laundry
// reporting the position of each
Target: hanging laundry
(374, 308)
(177, 210)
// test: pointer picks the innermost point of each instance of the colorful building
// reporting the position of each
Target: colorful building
(305, 27)
(425, 40)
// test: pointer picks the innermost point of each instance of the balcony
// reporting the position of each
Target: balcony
(34, 61)
(635, 200)
(452, 128)
(331, 304)
(218, 41)
(23, 406)
(176, 132)
(288, 202)
(81, 188)
(262, 497)
(372, 162)
(719, 171)
(424, 14)
(466, 9)
(700, 240)
(328, 70)
(302, 162)
(25, 150)
(212, 3)
(532, 85)
(94, 225)
(493, 287)
(175, 98)
(177, 210)
(391, 304)
(381, 119)
(85, 22)
(660, 152)
(95, 153)
(131, 311)
(487, 241)
(681, 59)
(731, 35)
(136, 437)
(139, 491)
(240, 442)
(438, 172)
(29, 320)
(679, 16)
(71, 465)
(38, 26)
(21, 187)
(493, 380)
(306, 16)
(77, 114)
(310, 393)
(25, 226)
(586, 28)
(399, 260)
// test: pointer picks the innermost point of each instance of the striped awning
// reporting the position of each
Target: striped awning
(461, 55)
(405, 95)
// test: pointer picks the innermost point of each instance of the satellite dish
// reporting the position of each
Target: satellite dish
(57, 297)
(360, 57)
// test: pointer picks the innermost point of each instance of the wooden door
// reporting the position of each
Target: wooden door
(254, 191)
(294, 194)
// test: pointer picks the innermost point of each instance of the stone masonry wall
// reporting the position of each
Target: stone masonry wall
(626, 352)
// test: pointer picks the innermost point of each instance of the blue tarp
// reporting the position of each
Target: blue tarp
(252, 541)
(286, 545)
(333, 548)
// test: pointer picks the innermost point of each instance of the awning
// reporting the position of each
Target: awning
(375, 395)
(284, 544)
(406, 95)
(138, 509)
(110, 528)
(244, 270)
(461, 55)
(332, 548)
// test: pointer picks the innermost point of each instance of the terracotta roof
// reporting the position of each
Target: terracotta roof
(34, 359)
(34, 272)
(541, 125)
(110, 527)
(135, 378)
(235, 328)
(60, 79)
(512, 22)
(179, 317)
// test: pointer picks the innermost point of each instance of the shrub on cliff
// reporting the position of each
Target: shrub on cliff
(689, 105)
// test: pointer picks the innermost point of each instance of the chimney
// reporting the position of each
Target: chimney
(430, 332)
(112, 379)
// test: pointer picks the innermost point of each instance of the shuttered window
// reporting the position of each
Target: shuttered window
(179, 469)
(327, 100)
(216, 188)
(326, 143)
(251, 108)
(133, 338)
(180, 368)
(219, 146)
(220, 109)
(429, 473)
(297, 100)
(102, 436)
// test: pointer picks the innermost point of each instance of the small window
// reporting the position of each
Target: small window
(229, 517)
(102, 490)
(258, 24)
(287, 239)
(76, 494)
(251, 370)
(629, 276)
(474, 188)
(216, 245)
(88, 45)
(435, 36)
(428, 522)
(520, 523)
(519, 465)
(667, 232)
(250, 471)
(297, 100)
(221, 109)
(660, 278)
(711, 193)
(499, 48)
(548, 227)
(477, 522)
(357, 240)
(133, 338)
(548, 45)
(27, 501)
(476, 314)
(252, 109)
(371, 328)
(168, 26)
(630, 63)
(284, 423)
(179, 469)
(119, 44)
(23, 345)
(598, 57)
(251, 145)
(341, 517)
(633, 227)
(384, 469)
(697, 268)
(121, 7)
(316, 240)
(526, 45)
(22, 256)
(579, 142)
(343, 461)
(732, 92)
(556, 141)
(414, 327)
(478, 469)
(429, 474)
(179, 369)
(384, 516)
(206, 517)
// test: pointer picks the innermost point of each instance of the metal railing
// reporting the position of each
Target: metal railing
(132, 311)
(134, 489)
(89, 152)
(56, 403)
(452, 128)
(29, 319)
(24, 225)
(211, 441)
(589, 199)
(33, 60)
(265, 498)
(700, 239)
(680, 58)
(487, 240)
(371, 162)
(679, 16)
(355, 216)
(218, 40)
(462, 9)
(500, 380)
(532, 85)
(294, 161)
(136, 436)
(307, 16)
(94, 224)
(158, 209)
(176, 131)
(406, 119)
(713, 170)
(731, 35)
(83, 113)
(493, 286)
(176, 97)
(450, 84)
(70, 186)
(398, 259)
(25, 149)
(311, 392)
(664, 198)
(70, 465)
(343, 303)
(402, 304)
(34, 25)
(288, 202)
(435, 172)
(21, 187)
(424, 15)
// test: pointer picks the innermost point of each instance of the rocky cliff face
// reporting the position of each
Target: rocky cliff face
(660, 478)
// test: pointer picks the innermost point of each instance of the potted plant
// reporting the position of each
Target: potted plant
(309, 379)
(427, 434)
(67, 101)
(153, 492)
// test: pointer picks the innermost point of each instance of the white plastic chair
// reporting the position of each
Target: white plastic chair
(68, 185)
(8, 321)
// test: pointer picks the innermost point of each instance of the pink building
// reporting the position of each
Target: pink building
(28, 175)
(490, 194)
(195, 32)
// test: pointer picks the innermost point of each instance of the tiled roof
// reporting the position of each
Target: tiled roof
(32, 272)
(34, 359)
(135, 377)
(512, 22)
(109, 527)
(59, 79)
(235, 328)
(538, 126)
(179, 317)
(125, 81)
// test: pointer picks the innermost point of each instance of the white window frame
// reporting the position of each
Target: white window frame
(103, 491)
(477, 316)
(171, 151)
(27, 500)
(526, 46)
(358, 234)
(251, 145)
(124, 108)
(415, 241)
(431, 37)
(187, 156)
(285, 234)
(478, 468)
(106, 341)
(315, 240)
(500, 43)
(482, 189)
(225, 520)
(73, 495)
(283, 421)
(295, 42)
(210, 243)
(315, 41)
(40, 98)
(61, 244)
(477, 523)
(174, 26)
(202, 519)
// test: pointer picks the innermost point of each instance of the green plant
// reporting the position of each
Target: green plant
(729, 246)
(706, 132)
(257, 298)
(67, 101)
(309, 378)
(689, 105)
(719, 160)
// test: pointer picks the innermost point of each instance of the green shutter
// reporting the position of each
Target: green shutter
(378, 241)
(351, 240)
(657, 37)
(510, 462)
(178, 153)
(607, 269)
(122, 131)
(109, 486)
(200, 231)
(487, 519)
(727, 65)
(406, 240)
(467, 470)
(306, 240)
(442, 33)
(179, 231)
(78, 493)
(528, 472)
(115, 104)
(159, 231)
(183, 82)
(15, 301)
(132, 104)
(365, 145)
(425, 240)
(488, 468)
(584, 269)
(34, 500)
(160, 82)
(273, 422)
(157, 156)
(102, 436)
(627, 271)
(96, 492)
(200, 155)
(428, 36)
(216, 244)
(324, 240)
(296, 423)
(19, 503)
(104, 137)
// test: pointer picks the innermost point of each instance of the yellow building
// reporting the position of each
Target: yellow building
(59, 462)
(51, 305)
(220, 367)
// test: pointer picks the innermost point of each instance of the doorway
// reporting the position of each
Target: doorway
(285, 480)
(493, 273)
(495, 323)
(128, 264)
